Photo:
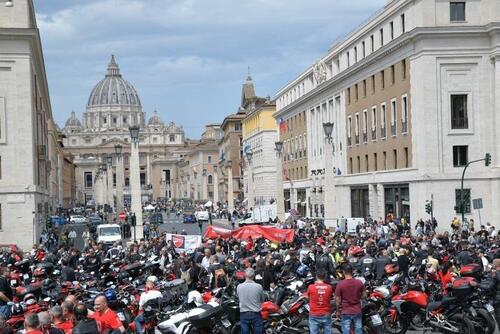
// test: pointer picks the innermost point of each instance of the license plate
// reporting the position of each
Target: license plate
(121, 316)
(489, 308)
(376, 320)
(226, 323)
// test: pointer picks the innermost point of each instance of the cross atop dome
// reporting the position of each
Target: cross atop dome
(113, 69)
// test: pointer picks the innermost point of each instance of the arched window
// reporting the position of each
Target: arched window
(210, 180)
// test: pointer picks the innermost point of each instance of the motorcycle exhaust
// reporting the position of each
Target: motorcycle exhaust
(444, 325)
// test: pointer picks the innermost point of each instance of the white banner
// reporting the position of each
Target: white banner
(184, 243)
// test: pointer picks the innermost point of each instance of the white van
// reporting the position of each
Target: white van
(109, 233)
(346, 225)
(259, 215)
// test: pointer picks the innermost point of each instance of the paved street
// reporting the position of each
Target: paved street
(171, 224)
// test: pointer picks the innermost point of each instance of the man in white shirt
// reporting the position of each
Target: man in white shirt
(149, 293)
(205, 262)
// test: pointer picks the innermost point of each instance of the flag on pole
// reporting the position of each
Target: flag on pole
(282, 125)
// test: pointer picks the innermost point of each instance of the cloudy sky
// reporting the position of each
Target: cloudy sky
(187, 58)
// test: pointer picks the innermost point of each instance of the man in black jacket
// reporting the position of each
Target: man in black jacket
(84, 324)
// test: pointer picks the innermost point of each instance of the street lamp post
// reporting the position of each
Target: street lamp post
(109, 160)
(204, 191)
(280, 198)
(230, 187)
(216, 185)
(251, 193)
(135, 181)
(119, 178)
(329, 177)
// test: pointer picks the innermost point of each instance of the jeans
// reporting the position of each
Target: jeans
(139, 320)
(5, 311)
(318, 322)
(497, 315)
(251, 320)
(347, 319)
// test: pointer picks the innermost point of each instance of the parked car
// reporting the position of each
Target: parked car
(58, 221)
(156, 218)
(109, 233)
(188, 210)
(77, 219)
(189, 219)
(202, 215)
(95, 219)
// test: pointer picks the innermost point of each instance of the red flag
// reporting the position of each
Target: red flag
(282, 126)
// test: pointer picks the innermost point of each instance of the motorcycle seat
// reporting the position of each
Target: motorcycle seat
(448, 300)
(274, 315)
(434, 306)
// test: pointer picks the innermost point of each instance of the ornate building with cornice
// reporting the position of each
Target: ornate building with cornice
(113, 106)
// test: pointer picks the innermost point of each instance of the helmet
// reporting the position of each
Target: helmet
(17, 309)
(302, 270)
(357, 251)
(110, 294)
(29, 299)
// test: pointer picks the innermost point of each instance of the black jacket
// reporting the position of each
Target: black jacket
(86, 326)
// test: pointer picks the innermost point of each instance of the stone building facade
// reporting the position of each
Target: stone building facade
(436, 69)
(25, 119)
(113, 106)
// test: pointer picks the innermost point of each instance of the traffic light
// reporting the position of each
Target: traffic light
(133, 220)
(428, 207)
(487, 159)
(48, 223)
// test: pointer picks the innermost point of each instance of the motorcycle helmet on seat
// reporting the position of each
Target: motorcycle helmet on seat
(110, 295)
(17, 310)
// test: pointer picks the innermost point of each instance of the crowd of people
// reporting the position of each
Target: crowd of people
(325, 253)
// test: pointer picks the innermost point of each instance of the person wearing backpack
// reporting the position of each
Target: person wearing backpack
(84, 324)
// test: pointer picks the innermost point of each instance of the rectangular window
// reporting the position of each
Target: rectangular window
(392, 30)
(382, 37)
(365, 122)
(364, 49)
(359, 164)
(349, 126)
(364, 88)
(124, 119)
(104, 120)
(374, 118)
(457, 11)
(171, 138)
(395, 158)
(356, 91)
(355, 54)
(348, 60)
(143, 179)
(459, 119)
(466, 200)
(348, 95)
(155, 140)
(385, 160)
(350, 165)
(114, 179)
(114, 120)
(403, 23)
(372, 43)
(87, 176)
(404, 116)
(375, 162)
(393, 74)
(407, 160)
(393, 112)
(209, 159)
(373, 84)
(403, 69)
(367, 165)
(356, 129)
(382, 115)
(382, 79)
(127, 182)
(460, 155)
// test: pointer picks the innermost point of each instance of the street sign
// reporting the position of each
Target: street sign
(477, 203)
(122, 215)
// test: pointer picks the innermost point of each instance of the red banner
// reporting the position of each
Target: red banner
(253, 231)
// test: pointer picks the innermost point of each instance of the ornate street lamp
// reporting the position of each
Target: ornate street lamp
(118, 149)
(328, 128)
(278, 147)
(134, 133)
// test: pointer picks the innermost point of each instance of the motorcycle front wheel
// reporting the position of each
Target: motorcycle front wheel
(396, 326)
(483, 323)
